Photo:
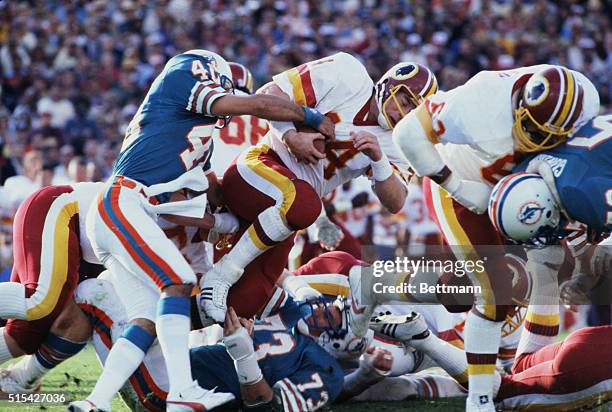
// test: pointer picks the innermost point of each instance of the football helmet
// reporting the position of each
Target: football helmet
(242, 78)
(324, 318)
(415, 80)
(549, 106)
(523, 209)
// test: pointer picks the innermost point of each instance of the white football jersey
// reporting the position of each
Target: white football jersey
(241, 133)
(477, 119)
(340, 87)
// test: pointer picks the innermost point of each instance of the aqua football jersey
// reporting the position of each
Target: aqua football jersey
(172, 130)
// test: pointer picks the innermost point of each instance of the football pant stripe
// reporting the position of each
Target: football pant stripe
(54, 258)
(283, 191)
(461, 245)
(138, 249)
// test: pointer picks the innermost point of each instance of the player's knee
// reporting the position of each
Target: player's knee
(306, 206)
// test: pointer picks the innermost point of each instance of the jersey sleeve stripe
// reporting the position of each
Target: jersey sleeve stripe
(210, 99)
(424, 119)
(309, 93)
(289, 400)
(301, 83)
(296, 394)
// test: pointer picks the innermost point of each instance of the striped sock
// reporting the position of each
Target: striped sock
(482, 338)
(542, 320)
(56, 349)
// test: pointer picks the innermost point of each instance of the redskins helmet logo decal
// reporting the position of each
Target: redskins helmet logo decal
(536, 91)
(405, 72)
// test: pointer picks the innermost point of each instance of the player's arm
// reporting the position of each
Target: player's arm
(267, 106)
(374, 365)
(416, 138)
(388, 187)
(301, 144)
(256, 392)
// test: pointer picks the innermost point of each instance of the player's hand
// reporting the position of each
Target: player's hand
(327, 233)
(367, 143)
(375, 363)
(225, 223)
(301, 145)
(327, 128)
(601, 262)
(572, 293)
(381, 359)
(236, 337)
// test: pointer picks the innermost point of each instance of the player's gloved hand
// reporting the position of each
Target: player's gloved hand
(471, 194)
(239, 346)
(225, 223)
(327, 233)
(299, 288)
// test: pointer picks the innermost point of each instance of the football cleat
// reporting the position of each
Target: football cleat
(10, 383)
(85, 406)
(403, 328)
(362, 299)
(214, 287)
(194, 398)
(213, 299)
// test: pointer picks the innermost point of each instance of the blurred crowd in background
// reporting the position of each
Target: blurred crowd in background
(73, 72)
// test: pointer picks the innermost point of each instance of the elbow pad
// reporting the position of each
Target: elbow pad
(410, 138)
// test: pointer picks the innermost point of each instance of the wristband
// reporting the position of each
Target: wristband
(381, 169)
(248, 370)
(312, 117)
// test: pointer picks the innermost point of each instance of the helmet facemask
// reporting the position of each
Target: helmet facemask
(326, 318)
(545, 137)
(387, 98)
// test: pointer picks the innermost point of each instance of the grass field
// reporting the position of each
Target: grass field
(77, 376)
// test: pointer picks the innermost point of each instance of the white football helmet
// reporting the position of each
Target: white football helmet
(220, 71)
(523, 209)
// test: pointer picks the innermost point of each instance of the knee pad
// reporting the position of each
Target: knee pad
(100, 294)
(306, 206)
(273, 224)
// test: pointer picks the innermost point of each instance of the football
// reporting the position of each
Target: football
(319, 144)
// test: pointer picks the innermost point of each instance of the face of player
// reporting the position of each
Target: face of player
(398, 106)
(320, 320)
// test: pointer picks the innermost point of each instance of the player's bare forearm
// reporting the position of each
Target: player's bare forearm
(205, 222)
(265, 106)
(391, 193)
(257, 393)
